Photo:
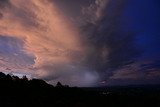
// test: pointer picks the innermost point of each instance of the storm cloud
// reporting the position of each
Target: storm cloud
(77, 42)
(109, 46)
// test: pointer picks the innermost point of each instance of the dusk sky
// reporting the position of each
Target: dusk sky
(81, 42)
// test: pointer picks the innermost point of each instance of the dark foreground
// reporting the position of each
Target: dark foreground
(16, 92)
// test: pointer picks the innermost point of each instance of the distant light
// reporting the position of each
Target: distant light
(103, 82)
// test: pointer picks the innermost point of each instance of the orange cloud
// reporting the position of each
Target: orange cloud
(46, 32)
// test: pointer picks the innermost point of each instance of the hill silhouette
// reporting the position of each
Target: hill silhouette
(15, 91)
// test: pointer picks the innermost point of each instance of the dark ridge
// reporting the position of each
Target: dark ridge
(15, 91)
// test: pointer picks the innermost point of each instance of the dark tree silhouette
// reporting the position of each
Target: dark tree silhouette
(15, 78)
(59, 84)
(25, 78)
(16, 91)
(2, 75)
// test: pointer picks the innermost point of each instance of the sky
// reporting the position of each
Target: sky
(81, 42)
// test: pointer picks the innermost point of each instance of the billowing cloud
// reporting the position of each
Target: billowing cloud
(76, 42)
(108, 48)
(60, 50)
(48, 36)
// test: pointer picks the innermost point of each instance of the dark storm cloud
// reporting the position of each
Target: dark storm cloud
(122, 47)
(109, 46)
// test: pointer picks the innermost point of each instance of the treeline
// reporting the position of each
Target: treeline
(7, 80)
(24, 92)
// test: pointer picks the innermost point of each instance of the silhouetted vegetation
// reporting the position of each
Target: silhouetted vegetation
(15, 91)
